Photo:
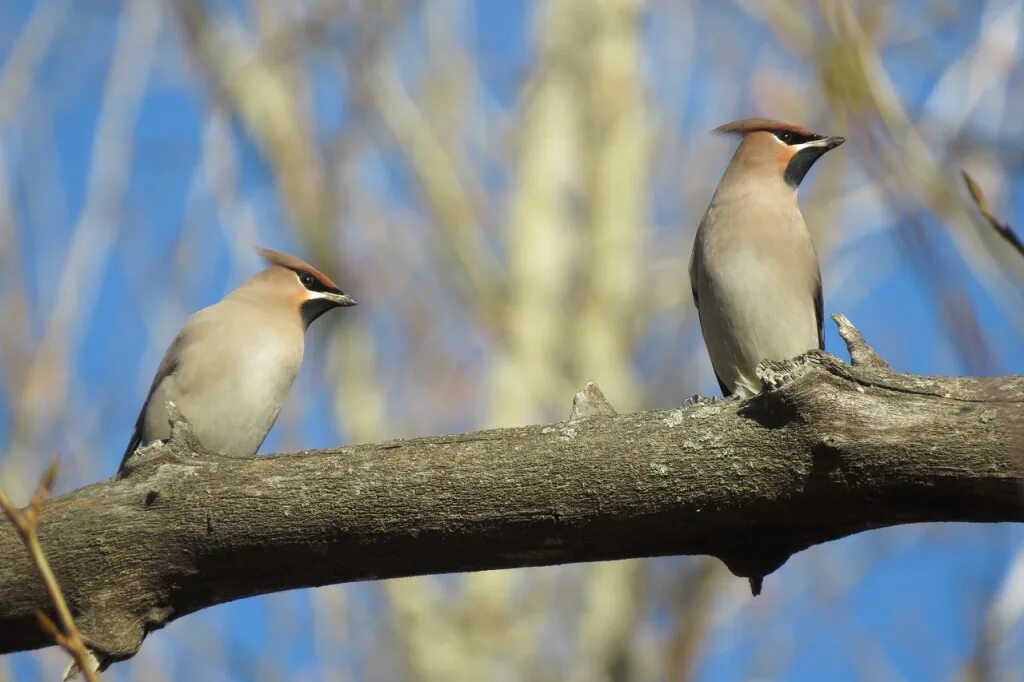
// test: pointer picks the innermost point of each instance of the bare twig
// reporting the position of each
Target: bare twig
(24, 522)
(1001, 228)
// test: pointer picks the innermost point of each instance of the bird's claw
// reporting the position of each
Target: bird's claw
(698, 399)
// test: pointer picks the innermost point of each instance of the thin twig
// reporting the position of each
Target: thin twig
(1001, 228)
(24, 522)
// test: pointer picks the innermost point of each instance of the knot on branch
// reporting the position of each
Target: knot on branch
(754, 567)
(590, 402)
(183, 444)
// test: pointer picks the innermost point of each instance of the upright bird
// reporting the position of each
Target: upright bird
(754, 271)
(231, 366)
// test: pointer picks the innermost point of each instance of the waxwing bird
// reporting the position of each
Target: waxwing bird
(231, 366)
(754, 271)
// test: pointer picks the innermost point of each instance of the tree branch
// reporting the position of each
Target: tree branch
(827, 450)
(24, 522)
(1001, 228)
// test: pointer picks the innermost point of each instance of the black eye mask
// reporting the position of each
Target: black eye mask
(314, 283)
(791, 137)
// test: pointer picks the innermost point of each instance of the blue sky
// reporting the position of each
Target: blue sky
(914, 611)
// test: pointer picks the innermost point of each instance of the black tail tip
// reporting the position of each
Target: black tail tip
(756, 584)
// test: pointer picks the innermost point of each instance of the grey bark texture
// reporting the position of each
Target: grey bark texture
(827, 450)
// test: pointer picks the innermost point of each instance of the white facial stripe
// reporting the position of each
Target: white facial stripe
(813, 143)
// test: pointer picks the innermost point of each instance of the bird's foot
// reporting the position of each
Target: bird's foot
(697, 399)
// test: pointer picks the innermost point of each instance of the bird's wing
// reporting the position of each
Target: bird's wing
(167, 367)
(721, 384)
(726, 393)
(819, 311)
(696, 303)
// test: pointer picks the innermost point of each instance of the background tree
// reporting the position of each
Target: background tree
(510, 190)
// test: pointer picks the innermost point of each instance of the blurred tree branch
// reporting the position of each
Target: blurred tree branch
(24, 522)
(516, 187)
(827, 450)
(267, 96)
(45, 380)
(1001, 228)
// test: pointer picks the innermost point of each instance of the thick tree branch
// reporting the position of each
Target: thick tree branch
(827, 450)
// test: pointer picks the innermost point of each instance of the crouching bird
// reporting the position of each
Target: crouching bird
(754, 271)
(230, 367)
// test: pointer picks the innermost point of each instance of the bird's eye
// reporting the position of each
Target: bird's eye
(307, 279)
(784, 136)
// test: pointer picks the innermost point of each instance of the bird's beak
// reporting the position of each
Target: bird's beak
(339, 299)
(832, 142)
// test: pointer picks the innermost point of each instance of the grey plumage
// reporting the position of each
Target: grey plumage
(231, 366)
(754, 271)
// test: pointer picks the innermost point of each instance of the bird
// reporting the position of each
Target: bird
(231, 366)
(754, 270)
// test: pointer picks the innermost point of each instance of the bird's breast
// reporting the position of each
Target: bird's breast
(231, 386)
(756, 288)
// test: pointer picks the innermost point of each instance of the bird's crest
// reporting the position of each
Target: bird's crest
(750, 125)
(294, 264)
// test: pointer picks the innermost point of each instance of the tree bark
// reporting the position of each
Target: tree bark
(827, 450)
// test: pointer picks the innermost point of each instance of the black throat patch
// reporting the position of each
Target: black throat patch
(314, 308)
(801, 162)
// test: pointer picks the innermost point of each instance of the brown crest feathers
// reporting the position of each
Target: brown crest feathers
(285, 260)
(749, 125)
